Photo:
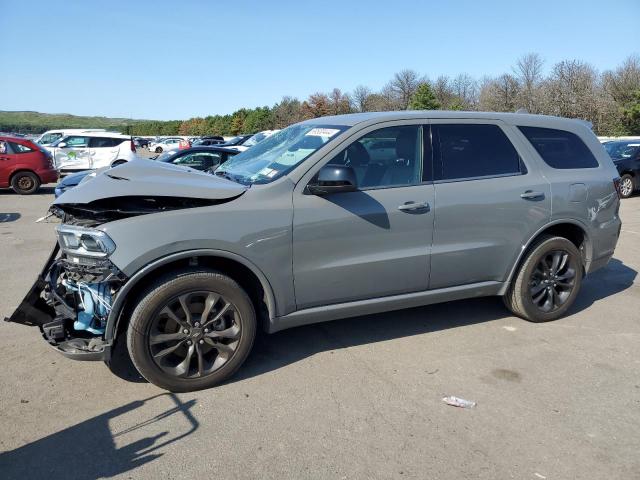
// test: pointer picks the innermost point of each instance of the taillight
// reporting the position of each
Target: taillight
(133, 146)
(616, 185)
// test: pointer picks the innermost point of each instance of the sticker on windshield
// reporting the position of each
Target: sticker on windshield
(268, 172)
(322, 132)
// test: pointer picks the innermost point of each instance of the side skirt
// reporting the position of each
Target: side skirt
(383, 304)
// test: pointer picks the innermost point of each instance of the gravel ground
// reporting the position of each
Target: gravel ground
(358, 398)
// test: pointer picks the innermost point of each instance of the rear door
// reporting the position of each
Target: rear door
(74, 155)
(490, 201)
(103, 151)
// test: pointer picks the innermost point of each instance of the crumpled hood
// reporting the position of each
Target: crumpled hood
(140, 178)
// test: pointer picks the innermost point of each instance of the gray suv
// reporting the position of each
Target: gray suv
(330, 218)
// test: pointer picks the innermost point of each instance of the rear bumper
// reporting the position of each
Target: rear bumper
(48, 176)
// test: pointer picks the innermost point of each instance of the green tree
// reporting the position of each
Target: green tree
(424, 99)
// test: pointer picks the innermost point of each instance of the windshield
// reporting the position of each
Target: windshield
(278, 154)
(166, 156)
(622, 149)
(255, 139)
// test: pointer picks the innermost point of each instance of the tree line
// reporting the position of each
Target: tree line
(610, 100)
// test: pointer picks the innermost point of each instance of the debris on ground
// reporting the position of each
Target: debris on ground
(458, 402)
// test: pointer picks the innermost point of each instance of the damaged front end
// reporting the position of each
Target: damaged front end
(71, 299)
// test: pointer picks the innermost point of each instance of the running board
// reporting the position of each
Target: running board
(383, 304)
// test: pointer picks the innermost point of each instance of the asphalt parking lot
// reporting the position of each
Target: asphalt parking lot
(351, 399)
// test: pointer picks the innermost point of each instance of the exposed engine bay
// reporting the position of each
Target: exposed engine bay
(71, 302)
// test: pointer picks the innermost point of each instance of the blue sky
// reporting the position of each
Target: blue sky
(174, 60)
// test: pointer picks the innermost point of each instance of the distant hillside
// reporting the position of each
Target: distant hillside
(35, 122)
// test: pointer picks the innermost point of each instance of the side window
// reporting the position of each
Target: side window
(559, 148)
(472, 150)
(19, 148)
(199, 161)
(50, 138)
(385, 158)
(76, 142)
(99, 142)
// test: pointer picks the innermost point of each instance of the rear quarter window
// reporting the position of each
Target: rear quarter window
(559, 148)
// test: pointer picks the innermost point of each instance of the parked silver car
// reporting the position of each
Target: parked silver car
(329, 218)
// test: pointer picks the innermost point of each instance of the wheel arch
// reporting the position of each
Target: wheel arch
(21, 169)
(235, 266)
(571, 229)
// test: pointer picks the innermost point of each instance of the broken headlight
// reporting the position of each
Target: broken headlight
(84, 242)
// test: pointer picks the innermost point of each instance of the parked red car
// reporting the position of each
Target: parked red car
(24, 165)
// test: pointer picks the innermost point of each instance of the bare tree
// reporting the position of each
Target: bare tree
(465, 91)
(571, 90)
(389, 99)
(528, 71)
(499, 94)
(623, 81)
(359, 98)
(404, 85)
(443, 92)
(339, 102)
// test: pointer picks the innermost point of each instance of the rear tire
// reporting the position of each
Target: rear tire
(547, 282)
(118, 162)
(25, 183)
(191, 330)
(627, 185)
(158, 149)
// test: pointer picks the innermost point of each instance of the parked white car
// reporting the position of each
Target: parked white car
(86, 151)
(258, 137)
(51, 136)
(171, 143)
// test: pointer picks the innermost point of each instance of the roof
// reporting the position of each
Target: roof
(100, 134)
(352, 119)
(11, 138)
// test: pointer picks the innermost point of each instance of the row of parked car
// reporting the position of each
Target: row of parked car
(26, 164)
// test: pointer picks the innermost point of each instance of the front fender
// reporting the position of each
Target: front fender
(118, 305)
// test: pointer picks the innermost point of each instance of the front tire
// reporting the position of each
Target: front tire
(25, 183)
(627, 185)
(191, 330)
(158, 149)
(547, 282)
(118, 162)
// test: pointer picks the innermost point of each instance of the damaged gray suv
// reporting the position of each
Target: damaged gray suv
(329, 218)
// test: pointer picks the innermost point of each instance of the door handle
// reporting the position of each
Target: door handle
(411, 206)
(531, 195)
(4, 158)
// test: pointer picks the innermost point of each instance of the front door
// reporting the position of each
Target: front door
(373, 242)
(490, 202)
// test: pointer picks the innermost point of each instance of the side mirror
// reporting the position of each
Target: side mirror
(62, 144)
(334, 179)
